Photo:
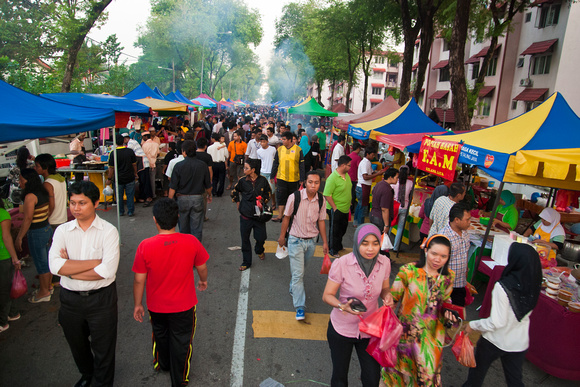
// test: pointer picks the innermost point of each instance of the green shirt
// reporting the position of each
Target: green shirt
(510, 216)
(4, 254)
(339, 189)
(321, 140)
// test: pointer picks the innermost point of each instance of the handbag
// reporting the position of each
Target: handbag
(239, 159)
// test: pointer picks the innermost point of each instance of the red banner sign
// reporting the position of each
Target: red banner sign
(439, 157)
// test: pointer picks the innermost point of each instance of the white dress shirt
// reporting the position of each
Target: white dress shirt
(171, 165)
(218, 155)
(336, 153)
(99, 241)
(252, 149)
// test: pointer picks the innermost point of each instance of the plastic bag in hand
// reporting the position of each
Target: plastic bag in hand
(326, 263)
(384, 349)
(373, 323)
(19, 285)
(463, 350)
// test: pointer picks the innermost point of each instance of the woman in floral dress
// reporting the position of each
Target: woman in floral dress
(422, 287)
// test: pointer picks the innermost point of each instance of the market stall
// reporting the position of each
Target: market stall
(310, 107)
(388, 106)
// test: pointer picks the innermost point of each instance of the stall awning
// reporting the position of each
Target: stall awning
(442, 64)
(447, 116)
(485, 91)
(381, 85)
(379, 70)
(439, 94)
(376, 100)
(539, 47)
(415, 66)
(530, 95)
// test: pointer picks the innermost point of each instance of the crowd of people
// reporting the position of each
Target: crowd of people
(267, 166)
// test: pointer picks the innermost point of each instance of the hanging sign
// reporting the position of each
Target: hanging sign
(439, 157)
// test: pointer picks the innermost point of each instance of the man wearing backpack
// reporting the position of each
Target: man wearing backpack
(301, 222)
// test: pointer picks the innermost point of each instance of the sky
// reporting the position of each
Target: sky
(125, 19)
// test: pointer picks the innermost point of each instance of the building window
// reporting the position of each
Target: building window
(548, 15)
(514, 105)
(491, 67)
(445, 45)
(475, 71)
(376, 91)
(528, 17)
(444, 74)
(379, 59)
(541, 64)
(485, 106)
(373, 104)
(377, 75)
(521, 62)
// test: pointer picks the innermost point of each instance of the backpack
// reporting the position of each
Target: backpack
(297, 204)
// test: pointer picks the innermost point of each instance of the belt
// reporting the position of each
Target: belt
(306, 239)
(89, 292)
(178, 195)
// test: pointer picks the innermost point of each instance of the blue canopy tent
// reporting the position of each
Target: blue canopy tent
(206, 103)
(27, 116)
(143, 91)
(159, 93)
(104, 101)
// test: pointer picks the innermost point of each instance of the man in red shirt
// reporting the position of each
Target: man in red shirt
(171, 297)
(352, 172)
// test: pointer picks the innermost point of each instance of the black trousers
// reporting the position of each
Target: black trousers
(145, 191)
(338, 225)
(172, 337)
(458, 296)
(246, 227)
(485, 354)
(219, 178)
(341, 352)
(93, 316)
(353, 199)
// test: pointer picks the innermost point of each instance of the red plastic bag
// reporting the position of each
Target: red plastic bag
(19, 285)
(463, 350)
(384, 349)
(396, 206)
(326, 263)
(373, 323)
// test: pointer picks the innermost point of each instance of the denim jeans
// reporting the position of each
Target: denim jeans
(38, 240)
(400, 228)
(191, 215)
(300, 252)
(360, 211)
(129, 190)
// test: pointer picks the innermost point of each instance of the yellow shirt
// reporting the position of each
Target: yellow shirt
(289, 163)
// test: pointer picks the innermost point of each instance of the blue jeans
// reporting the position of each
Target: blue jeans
(129, 190)
(191, 215)
(400, 228)
(359, 211)
(300, 252)
(38, 240)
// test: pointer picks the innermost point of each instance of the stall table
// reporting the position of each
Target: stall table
(93, 176)
(535, 209)
(477, 230)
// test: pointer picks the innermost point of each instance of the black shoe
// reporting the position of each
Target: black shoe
(84, 382)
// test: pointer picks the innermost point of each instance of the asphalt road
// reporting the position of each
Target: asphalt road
(33, 352)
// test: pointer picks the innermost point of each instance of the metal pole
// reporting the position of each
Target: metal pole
(119, 199)
(173, 68)
(201, 76)
(488, 228)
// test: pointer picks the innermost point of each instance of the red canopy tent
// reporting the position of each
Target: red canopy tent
(385, 108)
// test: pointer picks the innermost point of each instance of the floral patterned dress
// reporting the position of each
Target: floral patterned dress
(419, 350)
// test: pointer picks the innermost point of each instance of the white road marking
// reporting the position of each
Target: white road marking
(237, 370)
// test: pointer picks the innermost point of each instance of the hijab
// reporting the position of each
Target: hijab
(508, 198)
(304, 145)
(555, 228)
(360, 234)
(522, 278)
(441, 190)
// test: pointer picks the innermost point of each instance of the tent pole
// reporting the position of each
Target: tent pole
(119, 199)
(488, 228)
(407, 212)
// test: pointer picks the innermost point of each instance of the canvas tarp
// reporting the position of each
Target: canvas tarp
(311, 108)
(27, 116)
(383, 109)
(162, 106)
(103, 101)
(143, 91)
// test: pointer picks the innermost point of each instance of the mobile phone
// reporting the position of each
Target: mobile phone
(357, 305)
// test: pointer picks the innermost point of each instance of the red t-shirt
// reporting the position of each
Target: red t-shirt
(168, 260)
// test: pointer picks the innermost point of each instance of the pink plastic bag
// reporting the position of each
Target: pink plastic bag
(19, 285)
(384, 348)
(373, 323)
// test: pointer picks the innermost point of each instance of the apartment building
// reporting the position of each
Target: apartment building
(385, 76)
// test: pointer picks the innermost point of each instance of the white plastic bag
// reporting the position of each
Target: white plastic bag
(108, 191)
(281, 252)
(386, 244)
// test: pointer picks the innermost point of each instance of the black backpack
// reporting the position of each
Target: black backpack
(297, 204)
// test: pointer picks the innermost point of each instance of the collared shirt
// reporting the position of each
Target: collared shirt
(340, 190)
(218, 155)
(217, 127)
(353, 171)
(171, 165)
(306, 220)
(365, 166)
(151, 149)
(336, 153)
(440, 214)
(354, 283)
(99, 241)
(252, 149)
(190, 177)
(459, 255)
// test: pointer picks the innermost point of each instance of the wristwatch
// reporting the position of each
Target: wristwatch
(339, 306)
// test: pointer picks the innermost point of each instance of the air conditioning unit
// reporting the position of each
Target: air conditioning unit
(526, 82)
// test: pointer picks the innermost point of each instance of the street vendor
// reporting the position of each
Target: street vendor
(548, 232)
(506, 218)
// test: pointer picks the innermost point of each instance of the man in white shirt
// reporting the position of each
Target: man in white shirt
(151, 149)
(171, 165)
(219, 154)
(266, 154)
(365, 181)
(218, 128)
(337, 152)
(253, 145)
(85, 253)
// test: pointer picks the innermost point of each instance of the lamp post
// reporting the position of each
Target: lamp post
(444, 108)
(170, 69)
(203, 56)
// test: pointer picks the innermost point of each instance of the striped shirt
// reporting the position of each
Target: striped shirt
(459, 255)
(440, 215)
(306, 219)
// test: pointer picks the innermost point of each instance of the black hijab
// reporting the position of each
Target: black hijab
(522, 278)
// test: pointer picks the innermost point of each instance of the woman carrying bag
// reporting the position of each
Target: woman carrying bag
(363, 274)
(8, 262)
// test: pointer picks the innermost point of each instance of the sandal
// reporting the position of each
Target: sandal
(147, 203)
(262, 256)
(243, 267)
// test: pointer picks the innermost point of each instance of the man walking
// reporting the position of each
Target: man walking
(219, 155)
(337, 192)
(353, 172)
(85, 253)
(365, 181)
(440, 211)
(127, 172)
(456, 231)
(288, 167)
(237, 150)
(171, 298)
(189, 180)
(337, 152)
(383, 196)
(151, 149)
(301, 242)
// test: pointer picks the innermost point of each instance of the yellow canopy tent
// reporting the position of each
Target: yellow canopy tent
(163, 106)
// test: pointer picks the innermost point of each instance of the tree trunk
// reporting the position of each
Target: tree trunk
(332, 87)
(366, 65)
(426, 42)
(410, 33)
(352, 66)
(456, 65)
(82, 30)
(319, 86)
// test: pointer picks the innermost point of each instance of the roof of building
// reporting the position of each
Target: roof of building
(441, 64)
(439, 94)
(378, 85)
(447, 116)
(539, 47)
(485, 91)
(530, 95)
